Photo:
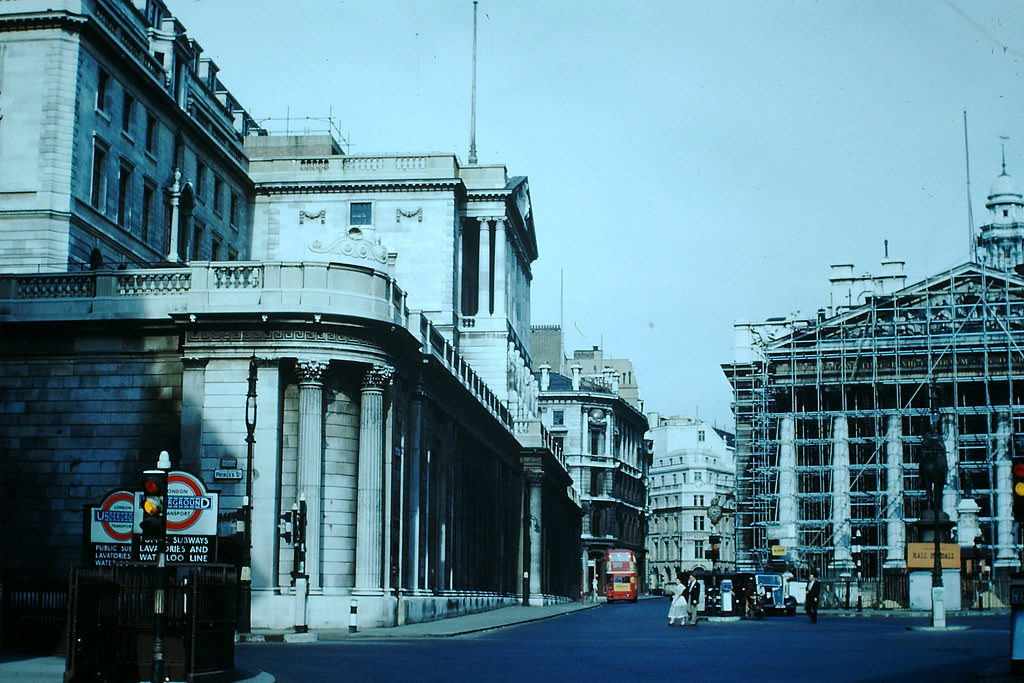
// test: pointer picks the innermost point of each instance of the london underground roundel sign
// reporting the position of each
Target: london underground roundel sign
(112, 520)
(190, 508)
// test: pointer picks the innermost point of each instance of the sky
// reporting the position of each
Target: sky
(691, 163)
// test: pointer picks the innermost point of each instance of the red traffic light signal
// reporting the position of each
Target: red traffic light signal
(1017, 487)
(154, 504)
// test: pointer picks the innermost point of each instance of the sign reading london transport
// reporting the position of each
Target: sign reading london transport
(115, 536)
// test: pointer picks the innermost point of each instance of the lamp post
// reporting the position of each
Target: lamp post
(245, 574)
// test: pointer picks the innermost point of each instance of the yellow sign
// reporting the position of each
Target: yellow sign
(778, 551)
(922, 555)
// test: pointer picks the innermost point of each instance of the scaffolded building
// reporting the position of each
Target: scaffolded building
(831, 413)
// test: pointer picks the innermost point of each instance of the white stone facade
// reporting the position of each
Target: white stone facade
(693, 466)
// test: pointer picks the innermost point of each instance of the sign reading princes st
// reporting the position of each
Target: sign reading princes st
(115, 536)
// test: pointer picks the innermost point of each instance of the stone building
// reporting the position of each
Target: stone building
(693, 471)
(602, 438)
(383, 301)
(832, 413)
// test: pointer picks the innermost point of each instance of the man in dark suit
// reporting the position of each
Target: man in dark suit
(692, 592)
(811, 599)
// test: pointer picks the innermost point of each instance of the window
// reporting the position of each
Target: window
(232, 254)
(124, 188)
(200, 181)
(235, 210)
(595, 442)
(360, 213)
(102, 88)
(150, 133)
(98, 192)
(558, 417)
(595, 482)
(698, 501)
(698, 550)
(698, 523)
(148, 193)
(127, 113)
(215, 245)
(197, 240)
(218, 192)
(700, 435)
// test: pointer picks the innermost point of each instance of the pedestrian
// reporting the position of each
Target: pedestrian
(811, 598)
(677, 610)
(692, 593)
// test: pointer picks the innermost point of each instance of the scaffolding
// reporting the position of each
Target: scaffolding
(870, 367)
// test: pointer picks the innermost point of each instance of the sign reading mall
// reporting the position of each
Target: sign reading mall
(114, 533)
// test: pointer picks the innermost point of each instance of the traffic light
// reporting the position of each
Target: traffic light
(154, 504)
(714, 540)
(1017, 487)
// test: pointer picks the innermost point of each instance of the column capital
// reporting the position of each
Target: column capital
(310, 371)
(534, 477)
(378, 377)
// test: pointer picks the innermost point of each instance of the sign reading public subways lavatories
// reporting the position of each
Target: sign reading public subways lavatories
(115, 535)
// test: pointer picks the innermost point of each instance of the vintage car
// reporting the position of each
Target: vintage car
(775, 599)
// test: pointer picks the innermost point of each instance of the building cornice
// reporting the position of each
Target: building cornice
(344, 187)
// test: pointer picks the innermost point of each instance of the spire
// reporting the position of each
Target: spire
(1002, 144)
(472, 117)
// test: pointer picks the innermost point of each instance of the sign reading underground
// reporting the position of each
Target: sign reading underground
(191, 522)
(110, 530)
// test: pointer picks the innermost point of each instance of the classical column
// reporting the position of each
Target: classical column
(950, 494)
(787, 482)
(895, 525)
(843, 559)
(413, 520)
(1005, 552)
(535, 482)
(370, 505)
(500, 279)
(193, 401)
(484, 282)
(310, 465)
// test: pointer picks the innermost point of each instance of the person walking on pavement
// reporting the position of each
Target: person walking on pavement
(677, 610)
(692, 593)
(811, 599)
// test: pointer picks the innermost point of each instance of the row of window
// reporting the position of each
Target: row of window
(670, 524)
(202, 188)
(668, 550)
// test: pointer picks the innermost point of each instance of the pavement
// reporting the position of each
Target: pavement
(50, 669)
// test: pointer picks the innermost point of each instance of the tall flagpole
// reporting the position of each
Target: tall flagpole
(970, 212)
(472, 118)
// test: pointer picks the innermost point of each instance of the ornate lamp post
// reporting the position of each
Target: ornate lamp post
(245, 574)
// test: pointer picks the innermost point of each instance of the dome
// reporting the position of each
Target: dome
(1004, 186)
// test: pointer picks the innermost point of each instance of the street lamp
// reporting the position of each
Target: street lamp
(245, 574)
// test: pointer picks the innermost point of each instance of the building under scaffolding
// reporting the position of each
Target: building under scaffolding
(831, 412)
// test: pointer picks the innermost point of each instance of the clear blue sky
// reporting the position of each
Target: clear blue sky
(691, 163)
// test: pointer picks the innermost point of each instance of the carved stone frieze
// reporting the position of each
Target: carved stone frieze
(310, 216)
(417, 214)
(355, 243)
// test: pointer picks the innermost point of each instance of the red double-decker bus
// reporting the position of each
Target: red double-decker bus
(620, 578)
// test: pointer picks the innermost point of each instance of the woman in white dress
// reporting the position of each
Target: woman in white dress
(678, 608)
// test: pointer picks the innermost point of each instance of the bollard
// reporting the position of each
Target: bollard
(353, 616)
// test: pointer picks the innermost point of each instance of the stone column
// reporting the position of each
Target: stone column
(267, 473)
(950, 494)
(535, 482)
(193, 400)
(414, 473)
(310, 465)
(843, 559)
(787, 482)
(500, 280)
(484, 298)
(1005, 555)
(370, 505)
(895, 525)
